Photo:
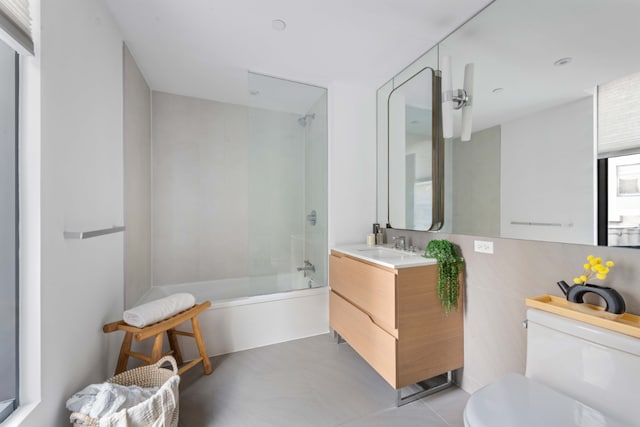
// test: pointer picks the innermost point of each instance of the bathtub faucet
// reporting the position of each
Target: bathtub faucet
(307, 267)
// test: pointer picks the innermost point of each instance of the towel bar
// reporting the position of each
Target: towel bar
(93, 233)
(543, 224)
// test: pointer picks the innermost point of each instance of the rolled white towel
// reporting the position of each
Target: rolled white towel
(158, 310)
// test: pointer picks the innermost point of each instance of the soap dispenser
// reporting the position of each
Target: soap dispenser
(378, 232)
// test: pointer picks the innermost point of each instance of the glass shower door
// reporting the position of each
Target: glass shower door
(315, 228)
(287, 185)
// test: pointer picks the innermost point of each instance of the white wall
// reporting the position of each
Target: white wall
(81, 184)
(382, 152)
(137, 176)
(352, 161)
(564, 179)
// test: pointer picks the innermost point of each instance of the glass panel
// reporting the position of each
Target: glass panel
(287, 152)
(233, 186)
(8, 236)
(410, 153)
(316, 182)
(533, 104)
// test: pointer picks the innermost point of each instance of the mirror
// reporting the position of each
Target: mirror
(530, 170)
(411, 157)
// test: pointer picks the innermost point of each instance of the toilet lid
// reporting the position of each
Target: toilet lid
(515, 400)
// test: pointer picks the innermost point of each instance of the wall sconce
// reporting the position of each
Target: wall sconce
(456, 100)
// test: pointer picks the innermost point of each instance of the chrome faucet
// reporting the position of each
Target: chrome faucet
(400, 243)
(307, 267)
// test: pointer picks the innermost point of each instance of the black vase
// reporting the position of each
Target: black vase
(615, 302)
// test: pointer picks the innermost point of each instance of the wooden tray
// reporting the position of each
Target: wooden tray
(626, 323)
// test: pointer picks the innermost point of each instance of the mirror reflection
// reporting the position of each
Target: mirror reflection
(623, 200)
(410, 157)
(554, 91)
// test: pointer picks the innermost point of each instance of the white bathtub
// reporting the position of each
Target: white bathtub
(237, 322)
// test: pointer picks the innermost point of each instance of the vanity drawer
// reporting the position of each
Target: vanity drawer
(374, 344)
(371, 288)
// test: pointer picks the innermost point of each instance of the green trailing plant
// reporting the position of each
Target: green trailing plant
(449, 266)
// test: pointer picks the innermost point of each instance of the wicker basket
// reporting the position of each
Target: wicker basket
(144, 376)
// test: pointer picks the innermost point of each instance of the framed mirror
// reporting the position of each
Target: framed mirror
(542, 72)
(414, 156)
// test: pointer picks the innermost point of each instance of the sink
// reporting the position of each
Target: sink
(384, 252)
(388, 257)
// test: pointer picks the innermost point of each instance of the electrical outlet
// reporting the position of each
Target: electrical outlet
(483, 246)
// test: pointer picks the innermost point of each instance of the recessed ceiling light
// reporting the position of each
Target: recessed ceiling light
(563, 61)
(278, 25)
(498, 90)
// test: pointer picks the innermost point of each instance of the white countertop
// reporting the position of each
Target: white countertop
(385, 256)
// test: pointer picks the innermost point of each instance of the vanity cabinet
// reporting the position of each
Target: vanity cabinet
(394, 319)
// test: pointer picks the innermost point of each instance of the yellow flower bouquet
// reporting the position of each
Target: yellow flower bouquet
(593, 268)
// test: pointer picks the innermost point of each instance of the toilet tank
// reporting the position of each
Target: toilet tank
(596, 366)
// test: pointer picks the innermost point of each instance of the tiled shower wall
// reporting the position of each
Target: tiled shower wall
(497, 284)
(220, 179)
(199, 190)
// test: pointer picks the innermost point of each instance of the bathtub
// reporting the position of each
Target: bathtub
(235, 321)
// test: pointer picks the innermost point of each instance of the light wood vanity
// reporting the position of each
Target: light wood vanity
(393, 318)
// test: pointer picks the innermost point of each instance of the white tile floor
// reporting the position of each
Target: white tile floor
(307, 382)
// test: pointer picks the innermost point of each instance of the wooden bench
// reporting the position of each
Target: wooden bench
(157, 330)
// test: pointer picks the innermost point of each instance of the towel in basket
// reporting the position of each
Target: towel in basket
(160, 410)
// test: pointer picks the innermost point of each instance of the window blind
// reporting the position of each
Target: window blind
(15, 20)
(619, 116)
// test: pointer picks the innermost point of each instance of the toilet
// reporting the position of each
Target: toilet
(576, 375)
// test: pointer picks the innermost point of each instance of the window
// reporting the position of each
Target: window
(15, 38)
(8, 232)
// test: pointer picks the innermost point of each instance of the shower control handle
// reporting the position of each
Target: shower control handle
(307, 267)
(312, 217)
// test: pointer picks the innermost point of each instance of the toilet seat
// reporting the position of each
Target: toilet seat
(515, 400)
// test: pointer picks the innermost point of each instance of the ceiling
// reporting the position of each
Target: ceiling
(204, 48)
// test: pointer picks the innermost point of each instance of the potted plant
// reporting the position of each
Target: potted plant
(449, 266)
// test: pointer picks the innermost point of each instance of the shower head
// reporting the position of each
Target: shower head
(302, 121)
